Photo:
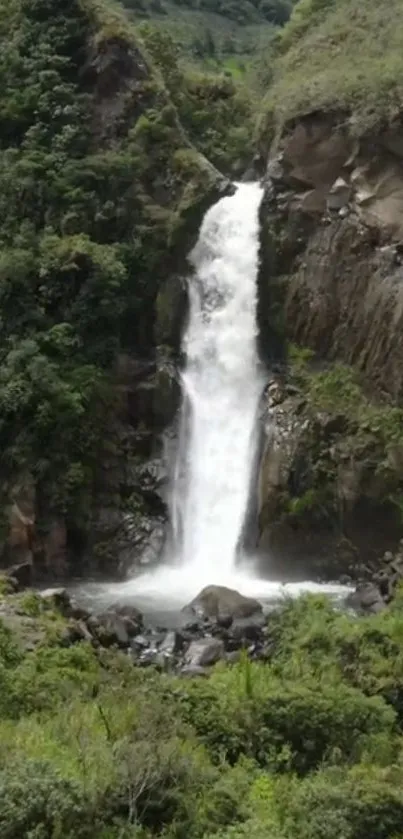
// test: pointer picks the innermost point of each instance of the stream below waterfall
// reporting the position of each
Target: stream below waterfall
(222, 383)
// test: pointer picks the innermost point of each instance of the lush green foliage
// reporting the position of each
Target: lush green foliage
(307, 744)
(217, 111)
(212, 30)
(339, 386)
(92, 200)
(345, 431)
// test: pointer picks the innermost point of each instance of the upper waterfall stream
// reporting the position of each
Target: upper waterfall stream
(222, 384)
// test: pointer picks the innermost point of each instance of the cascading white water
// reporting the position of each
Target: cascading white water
(221, 384)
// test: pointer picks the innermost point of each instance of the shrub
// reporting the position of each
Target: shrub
(35, 801)
(358, 804)
(291, 725)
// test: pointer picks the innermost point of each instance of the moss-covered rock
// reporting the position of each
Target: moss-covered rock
(330, 482)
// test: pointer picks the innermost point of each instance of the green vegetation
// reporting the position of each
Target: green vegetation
(309, 743)
(97, 181)
(344, 57)
(338, 388)
(212, 30)
(216, 110)
(348, 453)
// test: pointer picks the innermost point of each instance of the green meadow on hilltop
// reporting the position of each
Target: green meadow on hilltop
(343, 56)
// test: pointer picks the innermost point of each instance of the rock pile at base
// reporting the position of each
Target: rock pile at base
(215, 626)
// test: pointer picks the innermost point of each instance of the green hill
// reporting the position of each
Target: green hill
(211, 31)
(344, 56)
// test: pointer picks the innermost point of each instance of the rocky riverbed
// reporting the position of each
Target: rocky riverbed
(217, 625)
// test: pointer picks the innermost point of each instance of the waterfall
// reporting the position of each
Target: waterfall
(221, 386)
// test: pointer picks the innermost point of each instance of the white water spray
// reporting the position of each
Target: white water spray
(222, 384)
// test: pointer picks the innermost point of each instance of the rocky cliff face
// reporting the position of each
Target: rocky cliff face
(335, 211)
(332, 281)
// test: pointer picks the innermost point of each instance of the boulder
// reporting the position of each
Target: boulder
(131, 617)
(172, 643)
(140, 642)
(339, 195)
(218, 602)
(248, 629)
(79, 612)
(112, 630)
(366, 598)
(21, 574)
(204, 653)
(57, 598)
(74, 632)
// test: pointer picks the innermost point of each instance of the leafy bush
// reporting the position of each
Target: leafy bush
(296, 725)
(36, 802)
(357, 804)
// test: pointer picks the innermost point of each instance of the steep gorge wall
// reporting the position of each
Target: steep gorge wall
(334, 212)
(332, 281)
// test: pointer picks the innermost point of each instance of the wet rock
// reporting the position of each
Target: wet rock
(339, 195)
(21, 573)
(248, 629)
(275, 170)
(218, 602)
(172, 644)
(75, 632)
(112, 630)
(131, 617)
(57, 598)
(140, 642)
(224, 621)
(146, 657)
(93, 624)
(190, 626)
(79, 612)
(205, 652)
(275, 393)
(367, 598)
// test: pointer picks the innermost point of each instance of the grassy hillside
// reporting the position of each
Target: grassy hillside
(345, 55)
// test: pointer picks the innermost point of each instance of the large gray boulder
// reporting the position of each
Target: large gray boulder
(366, 598)
(204, 653)
(220, 603)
